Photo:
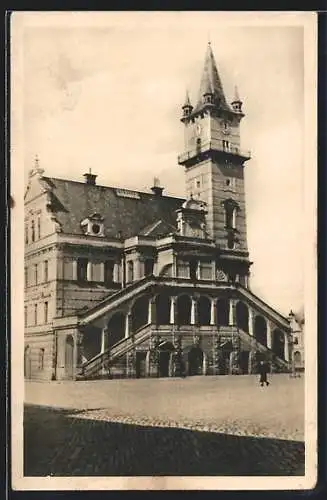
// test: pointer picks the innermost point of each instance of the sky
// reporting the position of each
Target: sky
(107, 96)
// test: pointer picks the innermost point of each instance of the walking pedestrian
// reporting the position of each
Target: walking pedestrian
(263, 371)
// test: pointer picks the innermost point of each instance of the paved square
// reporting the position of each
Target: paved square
(194, 426)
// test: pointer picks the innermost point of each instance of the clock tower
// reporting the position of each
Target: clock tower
(214, 161)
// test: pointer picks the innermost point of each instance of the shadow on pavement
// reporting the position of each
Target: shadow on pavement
(57, 443)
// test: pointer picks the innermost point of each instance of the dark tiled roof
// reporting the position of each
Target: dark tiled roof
(125, 212)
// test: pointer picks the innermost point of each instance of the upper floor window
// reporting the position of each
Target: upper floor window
(26, 234)
(46, 310)
(35, 314)
(130, 271)
(148, 267)
(82, 269)
(109, 271)
(193, 269)
(36, 277)
(39, 227)
(33, 230)
(26, 277)
(46, 271)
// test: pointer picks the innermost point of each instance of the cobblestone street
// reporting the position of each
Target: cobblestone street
(194, 426)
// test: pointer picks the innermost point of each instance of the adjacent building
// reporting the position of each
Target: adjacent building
(122, 283)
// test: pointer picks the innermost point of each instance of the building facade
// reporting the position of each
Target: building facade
(121, 283)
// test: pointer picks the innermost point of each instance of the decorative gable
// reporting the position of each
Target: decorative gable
(191, 219)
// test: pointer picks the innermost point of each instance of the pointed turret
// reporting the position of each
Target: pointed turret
(211, 86)
(236, 103)
(187, 106)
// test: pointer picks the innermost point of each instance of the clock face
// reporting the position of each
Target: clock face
(198, 129)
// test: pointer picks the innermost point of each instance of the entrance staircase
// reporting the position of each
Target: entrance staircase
(102, 361)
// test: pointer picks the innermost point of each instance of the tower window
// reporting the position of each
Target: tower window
(26, 277)
(229, 217)
(82, 269)
(228, 182)
(25, 316)
(26, 234)
(231, 241)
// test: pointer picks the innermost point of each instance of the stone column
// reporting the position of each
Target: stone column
(193, 311)
(74, 270)
(213, 311)
(198, 270)
(102, 272)
(151, 311)
(286, 348)
(269, 335)
(231, 312)
(89, 271)
(172, 310)
(128, 320)
(251, 321)
(214, 270)
(205, 364)
(104, 339)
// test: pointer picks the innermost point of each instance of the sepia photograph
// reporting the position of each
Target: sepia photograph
(163, 173)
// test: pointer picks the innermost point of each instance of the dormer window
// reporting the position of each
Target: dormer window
(93, 225)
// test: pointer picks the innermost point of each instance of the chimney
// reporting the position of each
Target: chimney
(156, 188)
(90, 178)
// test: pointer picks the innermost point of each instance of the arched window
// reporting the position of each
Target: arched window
(260, 330)
(140, 312)
(242, 316)
(183, 310)
(163, 309)
(204, 310)
(222, 312)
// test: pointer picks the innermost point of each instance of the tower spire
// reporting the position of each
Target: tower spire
(236, 102)
(187, 107)
(211, 82)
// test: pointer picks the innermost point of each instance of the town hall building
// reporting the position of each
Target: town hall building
(122, 283)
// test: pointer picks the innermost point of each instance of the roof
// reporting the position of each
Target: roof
(211, 81)
(125, 212)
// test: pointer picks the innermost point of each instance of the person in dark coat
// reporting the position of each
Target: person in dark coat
(263, 371)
